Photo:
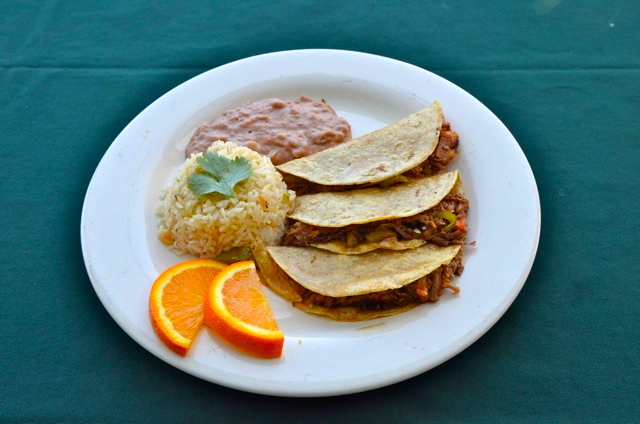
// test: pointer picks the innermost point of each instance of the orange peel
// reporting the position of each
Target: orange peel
(176, 301)
(237, 309)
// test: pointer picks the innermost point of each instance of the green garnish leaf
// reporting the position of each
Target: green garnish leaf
(205, 183)
(219, 174)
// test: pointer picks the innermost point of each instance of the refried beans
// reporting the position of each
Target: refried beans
(280, 129)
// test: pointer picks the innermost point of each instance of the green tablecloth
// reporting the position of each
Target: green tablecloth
(564, 76)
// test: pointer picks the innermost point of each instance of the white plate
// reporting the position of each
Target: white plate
(321, 357)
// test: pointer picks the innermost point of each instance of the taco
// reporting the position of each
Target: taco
(417, 145)
(359, 287)
(405, 216)
(378, 224)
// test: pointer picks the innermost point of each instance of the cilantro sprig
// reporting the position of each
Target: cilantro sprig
(219, 174)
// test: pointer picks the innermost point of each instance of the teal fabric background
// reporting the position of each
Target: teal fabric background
(564, 76)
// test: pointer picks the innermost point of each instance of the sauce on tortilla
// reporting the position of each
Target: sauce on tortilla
(282, 130)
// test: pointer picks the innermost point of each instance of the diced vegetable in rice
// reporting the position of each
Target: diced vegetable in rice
(206, 225)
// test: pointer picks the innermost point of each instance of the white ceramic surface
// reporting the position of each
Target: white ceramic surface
(321, 357)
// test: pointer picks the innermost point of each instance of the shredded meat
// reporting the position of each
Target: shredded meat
(426, 225)
(426, 289)
(444, 153)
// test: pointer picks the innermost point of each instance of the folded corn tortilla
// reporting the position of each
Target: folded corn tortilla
(342, 208)
(375, 156)
(337, 275)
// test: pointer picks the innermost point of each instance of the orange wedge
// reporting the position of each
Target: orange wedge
(237, 309)
(176, 301)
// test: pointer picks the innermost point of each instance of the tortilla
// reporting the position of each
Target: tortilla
(336, 275)
(342, 208)
(375, 156)
(390, 244)
(272, 275)
(352, 314)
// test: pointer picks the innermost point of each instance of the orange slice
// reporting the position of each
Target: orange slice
(176, 301)
(237, 309)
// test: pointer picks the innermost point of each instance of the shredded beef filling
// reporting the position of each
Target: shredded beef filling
(428, 225)
(444, 153)
(426, 289)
